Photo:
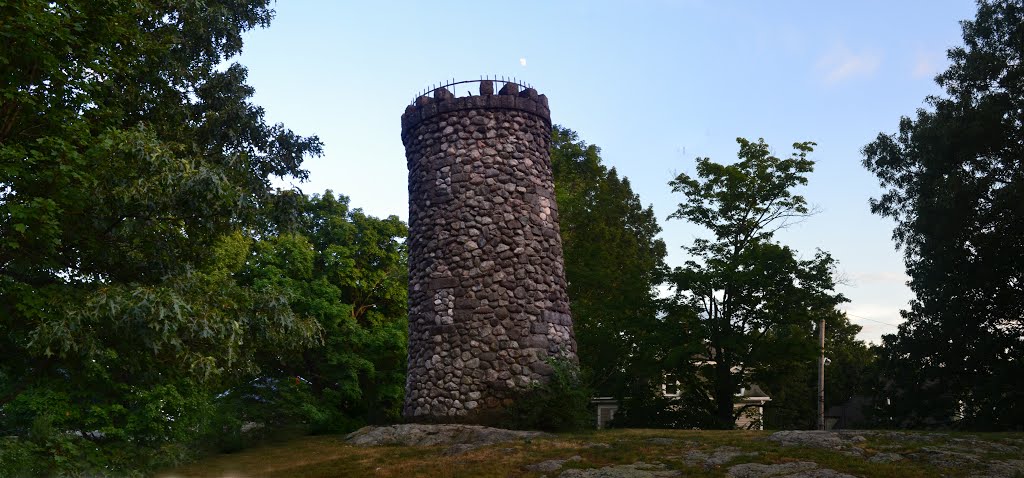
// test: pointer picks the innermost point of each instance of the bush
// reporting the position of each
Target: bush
(654, 411)
(558, 405)
(67, 454)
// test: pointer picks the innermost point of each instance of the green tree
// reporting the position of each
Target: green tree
(954, 183)
(349, 272)
(793, 386)
(754, 299)
(130, 162)
(614, 261)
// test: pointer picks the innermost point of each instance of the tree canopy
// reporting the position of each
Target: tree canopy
(953, 181)
(132, 167)
(754, 300)
(348, 271)
(613, 261)
(157, 293)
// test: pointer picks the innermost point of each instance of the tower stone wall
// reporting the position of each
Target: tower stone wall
(487, 291)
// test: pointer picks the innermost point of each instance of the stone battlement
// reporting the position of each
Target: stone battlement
(509, 97)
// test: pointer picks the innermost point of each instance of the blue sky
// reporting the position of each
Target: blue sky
(654, 83)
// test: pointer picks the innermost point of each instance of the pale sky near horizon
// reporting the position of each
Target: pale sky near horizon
(654, 83)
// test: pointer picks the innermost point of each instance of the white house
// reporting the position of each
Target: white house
(749, 403)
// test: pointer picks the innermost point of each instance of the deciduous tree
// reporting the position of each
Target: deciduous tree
(851, 374)
(348, 271)
(754, 298)
(131, 163)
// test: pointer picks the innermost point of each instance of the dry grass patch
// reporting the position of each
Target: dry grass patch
(329, 456)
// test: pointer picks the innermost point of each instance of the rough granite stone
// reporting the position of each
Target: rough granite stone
(813, 439)
(548, 466)
(414, 434)
(716, 457)
(636, 470)
(487, 298)
(797, 469)
(944, 457)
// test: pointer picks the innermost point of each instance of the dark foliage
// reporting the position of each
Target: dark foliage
(954, 183)
(131, 162)
(754, 303)
(560, 404)
(614, 262)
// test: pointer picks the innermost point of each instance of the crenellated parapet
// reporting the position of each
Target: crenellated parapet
(511, 96)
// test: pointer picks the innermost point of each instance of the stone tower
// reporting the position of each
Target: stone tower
(487, 300)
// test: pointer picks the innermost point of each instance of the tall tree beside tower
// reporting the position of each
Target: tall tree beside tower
(614, 262)
(131, 162)
(954, 183)
(755, 301)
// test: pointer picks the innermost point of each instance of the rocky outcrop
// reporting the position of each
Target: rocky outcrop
(815, 439)
(796, 469)
(636, 470)
(548, 466)
(414, 434)
(716, 457)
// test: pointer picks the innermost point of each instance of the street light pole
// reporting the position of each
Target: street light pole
(821, 375)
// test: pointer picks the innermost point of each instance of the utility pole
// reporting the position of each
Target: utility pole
(821, 375)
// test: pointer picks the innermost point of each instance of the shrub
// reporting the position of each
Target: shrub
(558, 405)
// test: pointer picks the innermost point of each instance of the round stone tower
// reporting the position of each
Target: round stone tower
(487, 300)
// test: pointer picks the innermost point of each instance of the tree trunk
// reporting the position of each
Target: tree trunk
(723, 395)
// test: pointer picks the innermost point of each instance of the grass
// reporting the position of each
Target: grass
(330, 456)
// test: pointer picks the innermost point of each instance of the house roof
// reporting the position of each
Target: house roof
(754, 392)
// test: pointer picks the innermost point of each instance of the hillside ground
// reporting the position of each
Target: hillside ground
(633, 452)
